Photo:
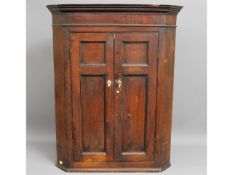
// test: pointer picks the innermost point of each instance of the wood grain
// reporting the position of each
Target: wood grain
(102, 127)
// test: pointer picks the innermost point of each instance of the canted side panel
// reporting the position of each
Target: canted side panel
(93, 122)
(165, 95)
(59, 51)
(134, 114)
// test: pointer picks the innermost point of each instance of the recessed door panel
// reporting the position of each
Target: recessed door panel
(92, 52)
(92, 97)
(93, 123)
(135, 97)
(135, 52)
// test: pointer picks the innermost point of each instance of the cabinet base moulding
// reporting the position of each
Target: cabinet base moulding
(118, 169)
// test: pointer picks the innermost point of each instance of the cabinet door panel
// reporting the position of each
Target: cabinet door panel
(135, 99)
(134, 96)
(92, 65)
(93, 122)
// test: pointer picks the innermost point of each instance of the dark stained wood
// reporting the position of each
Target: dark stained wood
(92, 96)
(130, 8)
(132, 99)
(124, 126)
(135, 53)
(92, 133)
(115, 167)
(92, 52)
(59, 62)
(134, 115)
(164, 95)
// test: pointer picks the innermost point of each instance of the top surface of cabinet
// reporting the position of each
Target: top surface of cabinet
(145, 8)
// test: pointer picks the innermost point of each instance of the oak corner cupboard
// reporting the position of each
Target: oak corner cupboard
(114, 67)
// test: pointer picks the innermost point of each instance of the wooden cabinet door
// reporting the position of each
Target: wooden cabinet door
(135, 96)
(92, 96)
